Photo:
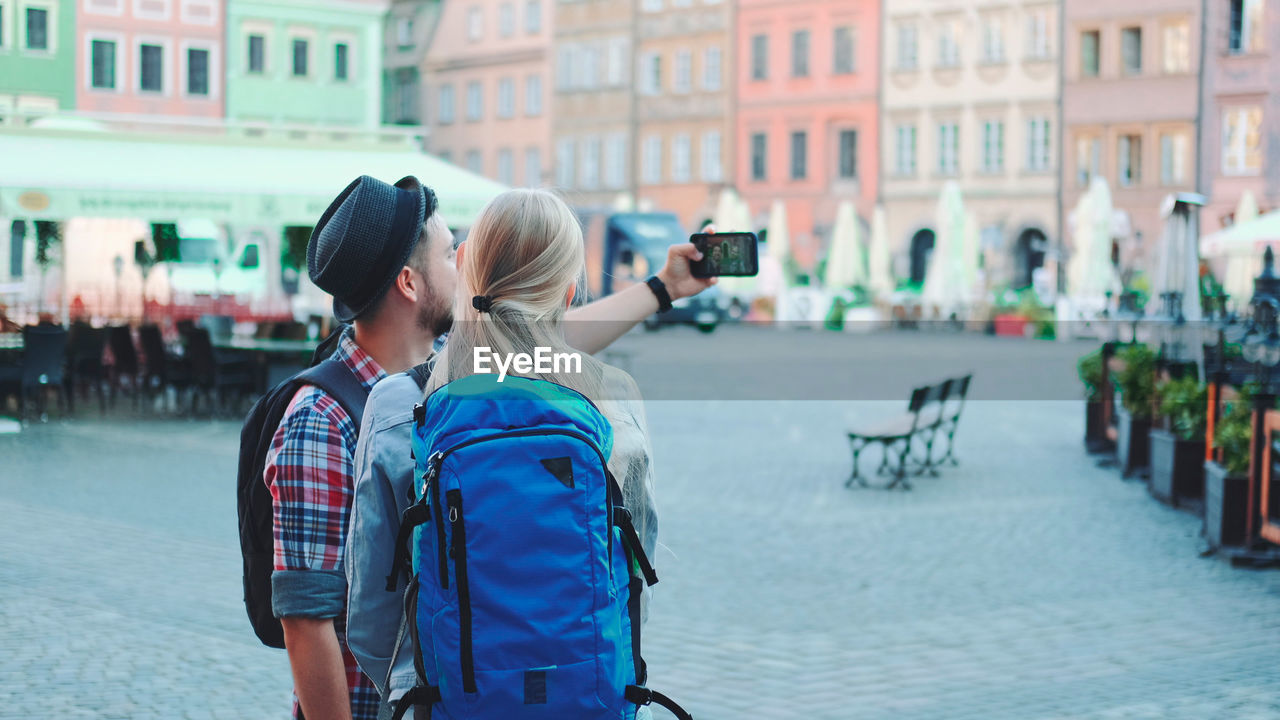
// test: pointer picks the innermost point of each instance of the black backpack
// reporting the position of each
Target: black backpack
(253, 499)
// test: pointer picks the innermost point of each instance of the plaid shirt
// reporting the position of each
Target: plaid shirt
(310, 471)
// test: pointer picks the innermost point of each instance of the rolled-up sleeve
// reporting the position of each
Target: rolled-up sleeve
(307, 471)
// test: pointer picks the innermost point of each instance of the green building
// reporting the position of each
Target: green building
(37, 56)
(305, 62)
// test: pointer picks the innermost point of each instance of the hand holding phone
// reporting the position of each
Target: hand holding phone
(725, 254)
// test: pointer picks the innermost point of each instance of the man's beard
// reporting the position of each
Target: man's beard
(435, 317)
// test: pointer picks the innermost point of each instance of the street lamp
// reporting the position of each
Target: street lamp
(118, 265)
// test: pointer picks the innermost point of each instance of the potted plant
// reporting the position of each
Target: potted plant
(1136, 380)
(1089, 367)
(1226, 482)
(1177, 451)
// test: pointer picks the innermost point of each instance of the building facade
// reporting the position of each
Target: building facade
(807, 128)
(971, 95)
(37, 56)
(1240, 126)
(592, 122)
(305, 62)
(409, 29)
(684, 123)
(487, 88)
(1130, 105)
(150, 58)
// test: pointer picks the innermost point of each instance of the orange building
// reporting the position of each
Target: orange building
(807, 127)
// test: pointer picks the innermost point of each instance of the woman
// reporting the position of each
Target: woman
(525, 256)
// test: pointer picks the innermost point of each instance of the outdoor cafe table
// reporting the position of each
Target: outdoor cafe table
(273, 360)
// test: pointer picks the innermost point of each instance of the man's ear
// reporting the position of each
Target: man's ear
(407, 285)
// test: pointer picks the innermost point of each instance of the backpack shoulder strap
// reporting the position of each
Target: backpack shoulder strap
(336, 378)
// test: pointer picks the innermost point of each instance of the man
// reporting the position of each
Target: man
(386, 256)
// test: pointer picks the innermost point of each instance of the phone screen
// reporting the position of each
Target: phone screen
(732, 254)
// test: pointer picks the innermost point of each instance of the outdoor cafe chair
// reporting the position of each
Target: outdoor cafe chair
(217, 375)
(44, 349)
(155, 378)
(85, 368)
(124, 363)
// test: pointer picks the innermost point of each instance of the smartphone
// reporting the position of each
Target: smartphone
(732, 254)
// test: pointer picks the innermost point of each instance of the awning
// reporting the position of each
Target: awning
(60, 175)
(1246, 238)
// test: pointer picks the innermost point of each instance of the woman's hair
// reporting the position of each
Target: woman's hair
(524, 253)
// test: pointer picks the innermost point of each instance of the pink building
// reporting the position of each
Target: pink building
(150, 57)
(487, 88)
(1241, 123)
(807, 128)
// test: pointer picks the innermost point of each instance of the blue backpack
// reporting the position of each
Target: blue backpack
(526, 571)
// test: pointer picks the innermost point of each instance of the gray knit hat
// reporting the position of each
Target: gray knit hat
(364, 238)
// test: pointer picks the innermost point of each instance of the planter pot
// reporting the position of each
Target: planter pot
(1011, 325)
(1095, 428)
(1177, 467)
(1133, 443)
(1226, 507)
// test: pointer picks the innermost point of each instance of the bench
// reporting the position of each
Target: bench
(932, 409)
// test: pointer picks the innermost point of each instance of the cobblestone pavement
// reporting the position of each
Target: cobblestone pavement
(1027, 583)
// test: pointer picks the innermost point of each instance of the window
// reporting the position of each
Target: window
(616, 61)
(299, 57)
(1129, 160)
(1088, 159)
(405, 99)
(564, 67)
(908, 50)
(1038, 34)
(842, 54)
(1173, 158)
(949, 44)
(712, 167)
(651, 168)
(474, 161)
(446, 109)
(475, 101)
(564, 162)
(257, 54)
(799, 159)
(651, 73)
(759, 57)
(948, 148)
(759, 148)
(533, 17)
(1038, 144)
(1245, 32)
(905, 146)
(993, 40)
(506, 98)
(506, 167)
(615, 160)
(800, 53)
(475, 24)
(586, 72)
(341, 62)
(150, 68)
(1242, 141)
(37, 29)
(681, 158)
(651, 5)
(1176, 52)
(1131, 50)
(848, 160)
(197, 71)
(404, 33)
(533, 95)
(532, 167)
(103, 62)
(992, 146)
(506, 20)
(711, 69)
(684, 71)
(1090, 42)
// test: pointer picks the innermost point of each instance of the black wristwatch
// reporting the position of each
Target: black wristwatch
(659, 291)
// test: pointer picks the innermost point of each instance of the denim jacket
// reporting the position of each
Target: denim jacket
(383, 489)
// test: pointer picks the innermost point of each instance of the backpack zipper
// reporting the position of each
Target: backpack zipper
(458, 550)
(433, 483)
